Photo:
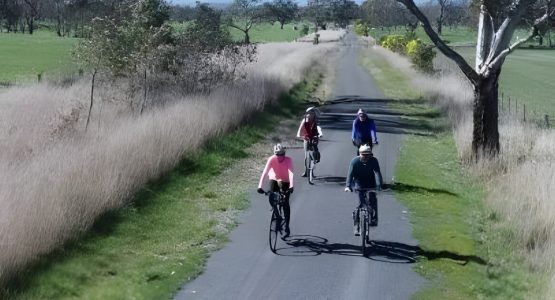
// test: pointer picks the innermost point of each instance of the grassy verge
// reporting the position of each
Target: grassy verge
(151, 247)
(463, 245)
(25, 56)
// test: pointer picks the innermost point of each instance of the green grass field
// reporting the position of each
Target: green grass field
(264, 33)
(23, 56)
(526, 77)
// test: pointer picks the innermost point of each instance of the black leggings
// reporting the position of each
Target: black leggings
(274, 187)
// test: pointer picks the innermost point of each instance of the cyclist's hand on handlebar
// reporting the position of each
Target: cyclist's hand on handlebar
(354, 143)
(348, 189)
(290, 190)
(376, 142)
(260, 191)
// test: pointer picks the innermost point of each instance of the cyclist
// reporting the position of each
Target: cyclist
(364, 130)
(362, 174)
(309, 131)
(279, 169)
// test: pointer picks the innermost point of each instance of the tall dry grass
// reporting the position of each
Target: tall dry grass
(520, 181)
(56, 178)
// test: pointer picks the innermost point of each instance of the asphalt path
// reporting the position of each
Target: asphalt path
(322, 258)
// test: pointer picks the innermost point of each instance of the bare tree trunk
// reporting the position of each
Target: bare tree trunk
(92, 98)
(485, 138)
(145, 93)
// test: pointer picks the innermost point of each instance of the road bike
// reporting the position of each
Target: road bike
(277, 221)
(366, 215)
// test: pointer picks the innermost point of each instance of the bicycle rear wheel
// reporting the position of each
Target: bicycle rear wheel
(273, 232)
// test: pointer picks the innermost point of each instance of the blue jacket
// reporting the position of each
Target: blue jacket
(363, 175)
(364, 131)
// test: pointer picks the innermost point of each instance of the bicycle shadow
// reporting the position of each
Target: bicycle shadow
(382, 251)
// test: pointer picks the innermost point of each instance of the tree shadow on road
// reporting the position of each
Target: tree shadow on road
(383, 251)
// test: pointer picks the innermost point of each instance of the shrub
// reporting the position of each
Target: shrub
(304, 30)
(361, 28)
(395, 43)
(421, 55)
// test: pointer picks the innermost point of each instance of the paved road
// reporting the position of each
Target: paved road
(322, 259)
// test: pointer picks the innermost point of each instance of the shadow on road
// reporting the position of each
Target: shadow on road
(383, 251)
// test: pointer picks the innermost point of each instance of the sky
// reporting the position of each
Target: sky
(193, 2)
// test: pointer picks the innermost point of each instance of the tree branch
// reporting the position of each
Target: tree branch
(446, 50)
(485, 34)
(503, 54)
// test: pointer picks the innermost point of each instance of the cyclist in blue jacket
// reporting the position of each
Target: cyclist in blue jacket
(364, 130)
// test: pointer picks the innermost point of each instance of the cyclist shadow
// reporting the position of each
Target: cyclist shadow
(326, 179)
(309, 245)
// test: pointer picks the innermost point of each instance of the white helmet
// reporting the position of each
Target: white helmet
(313, 110)
(365, 149)
(279, 149)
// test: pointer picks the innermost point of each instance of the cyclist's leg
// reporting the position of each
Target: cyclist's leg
(286, 209)
(305, 147)
(356, 212)
(373, 201)
(273, 187)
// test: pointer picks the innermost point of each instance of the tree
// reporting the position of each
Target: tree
(443, 6)
(282, 11)
(493, 46)
(343, 11)
(245, 13)
(31, 11)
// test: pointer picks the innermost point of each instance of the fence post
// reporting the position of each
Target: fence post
(524, 112)
(509, 104)
(547, 121)
(516, 108)
(501, 101)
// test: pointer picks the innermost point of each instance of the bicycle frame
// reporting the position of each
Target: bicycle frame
(364, 211)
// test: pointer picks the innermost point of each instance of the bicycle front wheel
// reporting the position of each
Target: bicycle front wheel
(273, 232)
(310, 168)
(364, 233)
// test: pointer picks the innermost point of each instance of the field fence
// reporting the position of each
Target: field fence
(511, 106)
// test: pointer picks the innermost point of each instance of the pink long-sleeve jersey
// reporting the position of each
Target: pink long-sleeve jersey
(278, 170)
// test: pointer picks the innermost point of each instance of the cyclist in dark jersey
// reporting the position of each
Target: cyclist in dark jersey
(362, 175)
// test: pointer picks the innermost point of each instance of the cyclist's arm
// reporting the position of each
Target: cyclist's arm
(320, 134)
(373, 134)
(301, 127)
(290, 172)
(349, 182)
(377, 170)
(265, 172)
(353, 132)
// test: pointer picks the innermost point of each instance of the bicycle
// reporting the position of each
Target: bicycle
(277, 220)
(310, 160)
(364, 213)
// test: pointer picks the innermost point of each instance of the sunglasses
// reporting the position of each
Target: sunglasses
(280, 154)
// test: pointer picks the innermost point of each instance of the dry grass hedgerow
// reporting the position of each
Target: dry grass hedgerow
(520, 180)
(56, 179)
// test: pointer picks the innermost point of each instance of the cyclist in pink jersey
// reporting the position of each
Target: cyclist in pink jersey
(279, 169)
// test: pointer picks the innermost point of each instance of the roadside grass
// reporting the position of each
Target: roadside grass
(463, 244)
(149, 248)
(526, 78)
(24, 56)
(266, 32)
